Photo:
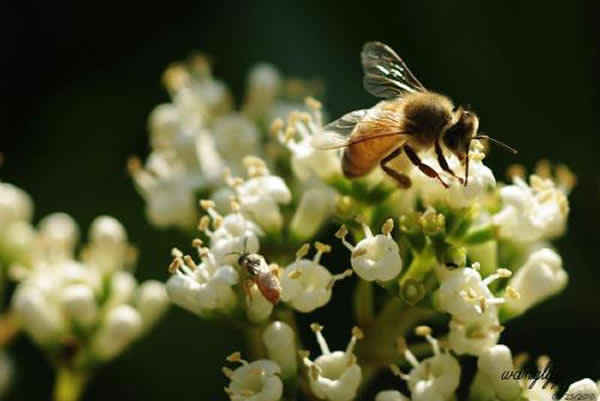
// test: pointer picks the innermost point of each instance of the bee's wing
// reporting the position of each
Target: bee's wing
(373, 124)
(386, 75)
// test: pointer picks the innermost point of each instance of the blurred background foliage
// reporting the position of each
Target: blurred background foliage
(78, 81)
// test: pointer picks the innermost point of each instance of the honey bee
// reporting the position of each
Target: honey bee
(410, 119)
(259, 273)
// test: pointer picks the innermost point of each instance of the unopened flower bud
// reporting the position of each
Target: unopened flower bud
(121, 326)
(151, 301)
(280, 341)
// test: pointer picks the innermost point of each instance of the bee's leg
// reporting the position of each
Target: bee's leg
(402, 179)
(443, 162)
(427, 170)
(247, 284)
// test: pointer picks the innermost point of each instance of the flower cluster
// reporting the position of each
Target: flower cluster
(471, 253)
(91, 305)
(197, 136)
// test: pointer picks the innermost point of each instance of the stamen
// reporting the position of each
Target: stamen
(357, 334)
(543, 168)
(207, 204)
(425, 331)
(316, 328)
(189, 262)
(360, 219)
(542, 362)
(227, 372)
(197, 243)
(302, 251)
(303, 354)
(341, 234)
(515, 170)
(175, 265)
(312, 103)
(176, 253)
(276, 126)
(476, 266)
(134, 165)
(204, 223)
(338, 277)
(236, 357)
(397, 372)
(387, 227)
(401, 345)
(321, 249)
(520, 359)
(235, 206)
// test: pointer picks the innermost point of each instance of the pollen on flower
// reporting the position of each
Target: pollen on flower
(387, 227)
(375, 257)
(236, 357)
(302, 251)
(334, 375)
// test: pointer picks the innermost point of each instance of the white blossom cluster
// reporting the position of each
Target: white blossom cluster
(197, 136)
(473, 255)
(91, 304)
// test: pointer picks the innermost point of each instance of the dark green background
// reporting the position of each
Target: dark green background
(78, 81)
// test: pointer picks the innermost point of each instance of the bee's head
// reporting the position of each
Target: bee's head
(460, 133)
(250, 262)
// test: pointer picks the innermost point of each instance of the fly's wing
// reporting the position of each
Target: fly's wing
(386, 75)
(372, 124)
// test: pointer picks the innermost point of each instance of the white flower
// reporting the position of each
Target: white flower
(391, 395)
(334, 376)
(122, 288)
(458, 195)
(169, 191)
(234, 234)
(466, 296)
(255, 381)
(120, 327)
(492, 363)
(531, 213)
(258, 308)
(39, 314)
(434, 378)
(581, 389)
(305, 284)
(541, 276)
(473, 337)
(235, 136)
(151, 301)
(316, 205)
(198, 96)
(280, 342)
(203, 288)
(261, 195)
(302, 134)
(79, 304)
(58, 236)
(374, 257)
(15, 205)
(263, 87)
(107, 249)
(16, 243)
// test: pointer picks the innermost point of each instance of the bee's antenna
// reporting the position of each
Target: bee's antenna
(497, 142)
(245, 243)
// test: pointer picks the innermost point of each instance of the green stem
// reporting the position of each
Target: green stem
(378, 349)
(70, 384)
